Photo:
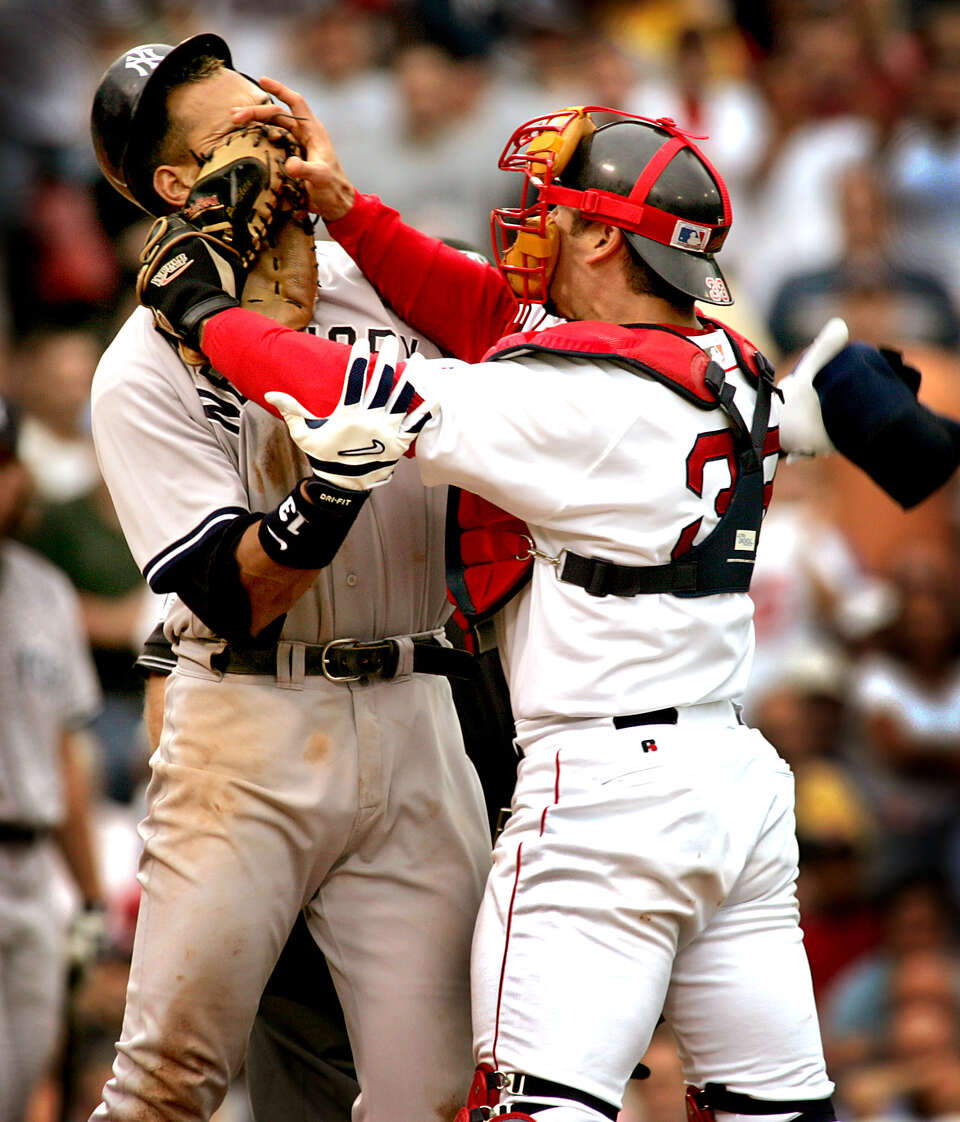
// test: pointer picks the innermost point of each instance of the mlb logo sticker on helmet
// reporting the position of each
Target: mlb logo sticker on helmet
(687, 235)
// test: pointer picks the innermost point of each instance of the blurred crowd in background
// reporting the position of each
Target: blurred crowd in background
(836, 124)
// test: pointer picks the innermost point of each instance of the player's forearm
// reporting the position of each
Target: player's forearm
(74, 835)
(463, 305)
(272, 589)
(258, 356)
(868, 401)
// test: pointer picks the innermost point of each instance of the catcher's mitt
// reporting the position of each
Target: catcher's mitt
(242, 190)
(244, 215)
(282, 282)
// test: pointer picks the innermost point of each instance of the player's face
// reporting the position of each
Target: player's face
(203, 108)
(569, 275)
(202, 112)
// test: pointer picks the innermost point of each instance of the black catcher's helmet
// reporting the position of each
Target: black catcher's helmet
(642, 175)
(128, 111)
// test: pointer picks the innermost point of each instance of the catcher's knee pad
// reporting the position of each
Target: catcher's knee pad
(702, 1104)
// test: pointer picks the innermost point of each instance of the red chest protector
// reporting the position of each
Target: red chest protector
(487, 550)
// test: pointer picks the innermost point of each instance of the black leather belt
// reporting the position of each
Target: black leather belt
(654, 717)
(349, 660)
(17, 834)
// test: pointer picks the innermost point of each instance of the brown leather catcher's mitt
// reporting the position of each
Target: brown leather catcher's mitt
(244, 197)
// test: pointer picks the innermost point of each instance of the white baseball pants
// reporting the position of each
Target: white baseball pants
(356, 802)
(648, 869)
(32, 971)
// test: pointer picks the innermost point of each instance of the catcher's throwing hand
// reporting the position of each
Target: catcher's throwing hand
(329, 191)
(357, 447)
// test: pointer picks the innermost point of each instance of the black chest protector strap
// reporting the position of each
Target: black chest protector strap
(723, 561)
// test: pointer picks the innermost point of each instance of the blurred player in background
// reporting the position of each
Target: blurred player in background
(48, 691)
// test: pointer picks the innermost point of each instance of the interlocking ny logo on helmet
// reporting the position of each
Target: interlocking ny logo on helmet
(640, 174)
(143, 59)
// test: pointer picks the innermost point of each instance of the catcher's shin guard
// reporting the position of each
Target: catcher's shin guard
(702, 1104)
(483, 1101)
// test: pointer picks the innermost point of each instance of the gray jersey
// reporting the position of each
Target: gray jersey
(182, 451)
(47, 684)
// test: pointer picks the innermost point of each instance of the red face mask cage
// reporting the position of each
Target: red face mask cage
(525, 247)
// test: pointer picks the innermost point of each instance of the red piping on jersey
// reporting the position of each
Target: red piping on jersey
(506, 945)
(556, 796)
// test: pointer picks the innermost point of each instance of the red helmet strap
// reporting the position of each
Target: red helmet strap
(657, 162)
(650, 221)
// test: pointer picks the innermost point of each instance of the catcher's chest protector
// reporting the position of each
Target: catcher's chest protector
(489, 555)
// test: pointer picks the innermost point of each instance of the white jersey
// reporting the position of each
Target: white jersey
(595, 459)
(47, 684)
(158, 422)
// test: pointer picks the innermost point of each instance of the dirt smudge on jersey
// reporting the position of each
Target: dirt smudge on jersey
(318, 748)
(277, 462)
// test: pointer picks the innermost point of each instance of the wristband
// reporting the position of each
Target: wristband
(305, 533)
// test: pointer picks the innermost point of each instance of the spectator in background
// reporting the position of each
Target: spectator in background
(53, 370)
(804, 716)
(75, 527)
(333, 57)
(855, 1010)
(47, 691)
(915, 1074)
(730, 113)
(907, 696)
(808, 587)
(820, 92)
(435, 161)
(83, 538)
(922, 161)
(883, 302)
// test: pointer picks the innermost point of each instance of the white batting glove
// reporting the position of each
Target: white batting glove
(801, 425)
(357, 447)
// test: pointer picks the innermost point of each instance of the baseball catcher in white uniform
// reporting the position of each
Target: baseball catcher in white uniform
(310, 757)
(650, 861)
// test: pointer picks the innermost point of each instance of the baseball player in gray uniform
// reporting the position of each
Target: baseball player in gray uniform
(310, 755)
(48, 688)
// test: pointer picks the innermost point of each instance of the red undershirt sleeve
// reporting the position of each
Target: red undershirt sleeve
(463, 305)
(259, 356)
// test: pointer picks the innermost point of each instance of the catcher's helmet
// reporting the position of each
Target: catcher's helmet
(642, 175)
(128, 111)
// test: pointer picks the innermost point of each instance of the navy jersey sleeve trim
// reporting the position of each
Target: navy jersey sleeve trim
(157, 569)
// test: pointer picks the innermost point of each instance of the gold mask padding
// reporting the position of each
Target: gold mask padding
(561, 141)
